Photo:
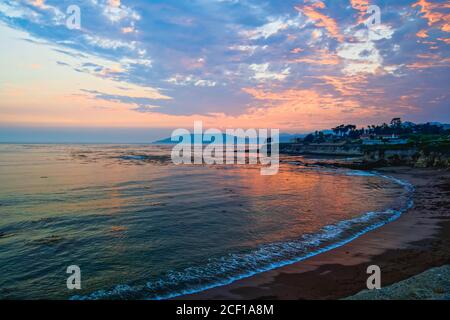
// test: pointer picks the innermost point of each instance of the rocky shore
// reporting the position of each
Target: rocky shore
(371, 157)
(433, 284)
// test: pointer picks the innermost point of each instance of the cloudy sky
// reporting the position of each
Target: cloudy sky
(294, 65)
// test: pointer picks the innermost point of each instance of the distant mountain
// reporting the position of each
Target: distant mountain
(284, 137)
(165, 141)
(288, 137)
(408, 124)
(206, 139)
(443, 125)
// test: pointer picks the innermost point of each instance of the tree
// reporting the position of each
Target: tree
(321, 137)
(336, 130)
(340, 130)
(309, 138)
(396, 123)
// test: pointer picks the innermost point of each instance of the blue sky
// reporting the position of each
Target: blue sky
(293, 65)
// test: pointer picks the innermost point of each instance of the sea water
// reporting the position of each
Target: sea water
(140, 227)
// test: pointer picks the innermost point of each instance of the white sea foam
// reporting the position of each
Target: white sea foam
(360, 173)
(233, 267)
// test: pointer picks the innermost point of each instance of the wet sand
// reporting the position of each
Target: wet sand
(417, 241)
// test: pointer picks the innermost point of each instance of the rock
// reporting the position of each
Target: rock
(118, 228)
(48, 240)
(432, 284)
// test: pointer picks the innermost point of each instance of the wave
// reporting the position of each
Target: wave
(225, 270)
(360, 173)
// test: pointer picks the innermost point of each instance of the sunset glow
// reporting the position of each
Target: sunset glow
(299, 66)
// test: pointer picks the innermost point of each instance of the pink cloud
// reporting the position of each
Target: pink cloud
(321, 20)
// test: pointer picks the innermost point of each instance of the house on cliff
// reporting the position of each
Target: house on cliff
(382, 139)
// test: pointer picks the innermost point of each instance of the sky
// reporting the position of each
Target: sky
(298, 66)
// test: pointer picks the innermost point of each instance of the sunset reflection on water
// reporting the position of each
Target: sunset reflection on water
(139, 222)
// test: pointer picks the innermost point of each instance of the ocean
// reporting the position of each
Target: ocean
(140, 227)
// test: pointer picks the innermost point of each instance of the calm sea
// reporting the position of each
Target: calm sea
(140, 227)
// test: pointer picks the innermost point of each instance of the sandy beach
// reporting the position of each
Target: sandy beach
(417, 241)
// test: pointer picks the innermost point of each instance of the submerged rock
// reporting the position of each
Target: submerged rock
(48, 240)
(145, 158)
(118, 228)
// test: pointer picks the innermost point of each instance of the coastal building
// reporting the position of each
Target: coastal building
(380, 139)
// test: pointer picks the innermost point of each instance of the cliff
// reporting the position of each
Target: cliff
(380, 155)
(408, 155)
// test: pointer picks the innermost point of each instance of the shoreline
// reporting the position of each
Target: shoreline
(413, 243)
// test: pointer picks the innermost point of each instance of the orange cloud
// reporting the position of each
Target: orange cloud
(431, 12)
(114, 3)
(287, 95)
(360, 5)
(300, 100)
(347, 86)
(190, 63)
(320, 57)
(422, 34)
(127, 30)
(429, 61)
(296, 50)
(321, 20)
(318, 4)
(306, 109)
(38, 3)
(446, 40)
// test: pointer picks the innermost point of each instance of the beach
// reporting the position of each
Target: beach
(416, 242)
